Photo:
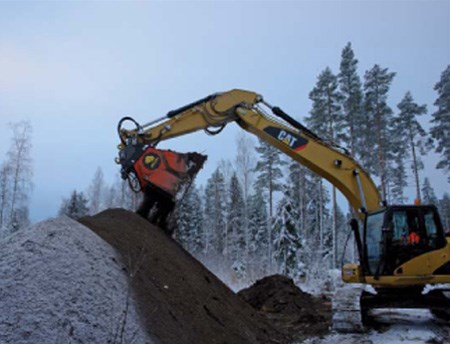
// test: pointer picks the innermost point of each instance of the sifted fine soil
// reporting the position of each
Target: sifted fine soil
(288, 308)
(179, 300)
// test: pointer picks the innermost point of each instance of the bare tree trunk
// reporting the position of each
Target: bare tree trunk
(3, 193)
(321, 214)
(415, 168)
(270, 224)
(335, 234)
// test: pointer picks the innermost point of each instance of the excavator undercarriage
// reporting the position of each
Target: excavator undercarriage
(352, 305)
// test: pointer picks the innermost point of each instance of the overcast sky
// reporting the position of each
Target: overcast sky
(75, 68)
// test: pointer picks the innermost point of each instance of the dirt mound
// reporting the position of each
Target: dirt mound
(288, 308)
(179, 300)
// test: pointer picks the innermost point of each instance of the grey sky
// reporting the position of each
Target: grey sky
(75, 68)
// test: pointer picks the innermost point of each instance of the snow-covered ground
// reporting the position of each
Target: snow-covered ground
(61, 283)
(395, 327)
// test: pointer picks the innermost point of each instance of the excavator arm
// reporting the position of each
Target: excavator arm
(249, 111)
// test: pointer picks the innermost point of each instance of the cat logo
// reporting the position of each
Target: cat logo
(152, 161)
(287, 138)
(292, 140)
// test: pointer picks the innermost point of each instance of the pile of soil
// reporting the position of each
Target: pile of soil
(288, 308)
(178, 300)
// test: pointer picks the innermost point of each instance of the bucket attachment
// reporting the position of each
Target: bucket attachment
(167, 170)
(163, 176)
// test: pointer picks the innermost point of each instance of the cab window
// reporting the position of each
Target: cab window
(373, 239)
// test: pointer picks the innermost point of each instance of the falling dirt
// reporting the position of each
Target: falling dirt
(288, 308)
(179, 300)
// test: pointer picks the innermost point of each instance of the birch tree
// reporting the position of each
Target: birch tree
(245, 165)
(19, 167)
(96, 192)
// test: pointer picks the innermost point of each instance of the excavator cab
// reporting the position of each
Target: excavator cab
(400, 240)
(399, 234)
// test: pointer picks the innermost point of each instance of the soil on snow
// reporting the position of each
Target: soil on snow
(288, 308)
(182, 302)
(179, 300)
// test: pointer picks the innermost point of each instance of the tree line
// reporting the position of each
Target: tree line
(264, 213)
(246, 228)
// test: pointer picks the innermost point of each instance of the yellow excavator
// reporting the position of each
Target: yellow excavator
(401, 248)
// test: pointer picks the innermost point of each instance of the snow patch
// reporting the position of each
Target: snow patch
(400, 327)
(61, 283)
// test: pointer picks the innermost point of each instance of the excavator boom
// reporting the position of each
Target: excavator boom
(247, 110)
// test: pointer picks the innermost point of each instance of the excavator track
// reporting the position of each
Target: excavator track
(347, 313)
(443, 298)
(351, 304)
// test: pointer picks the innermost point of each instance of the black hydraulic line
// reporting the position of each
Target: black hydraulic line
(175, 112)
(119, 126)
(283, 115)
(359, 244)
(214, 132)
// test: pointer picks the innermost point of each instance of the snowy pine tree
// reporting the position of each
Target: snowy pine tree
(351, 98)
(258, 228)
(440, 130)
(197, 241)
(75, 207)
(327, 121)
(214, 219)
(444, 211)
(235, 237)
(342, 232)
(398, 180)
(298, 186)
(317, 252)
(269, 179)
(428, 194)
(318, 216)
(189, 218)
(412, 139)
(326, 118)
(286, 235)
(378, 151)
